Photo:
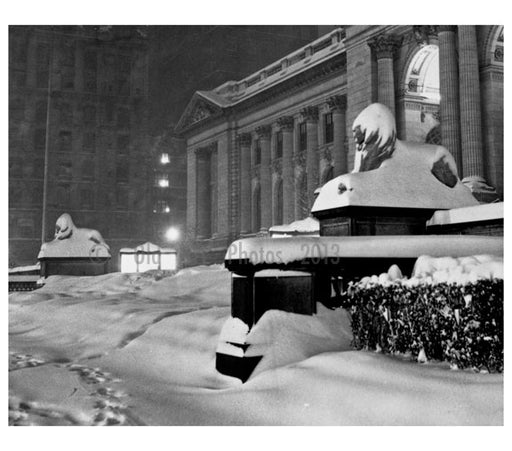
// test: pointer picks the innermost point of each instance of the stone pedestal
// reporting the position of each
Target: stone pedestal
(356, 221)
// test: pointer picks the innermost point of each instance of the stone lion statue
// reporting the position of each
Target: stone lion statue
(375, 135)
(72, 241)
(389, 172)
(65, 229)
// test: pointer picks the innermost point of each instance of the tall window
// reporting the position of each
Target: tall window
(303, 136)
(122, 196)
(123, 118)
(41, 111)
(257, 152)
(123, 144)
(87, 198)
(122, 170)
(328, 128)
(279, 144)
(68, 78)
(40, 138)
(64, 168)
(89, 143)
(278, 202)
(42, 77)
(65, 141)
(162, 180)
(213, 192)
(90, 114)
(161, 206)
(66, 114)
(87, 169)
(256, 209)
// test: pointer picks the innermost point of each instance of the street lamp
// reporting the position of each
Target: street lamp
(172, 234)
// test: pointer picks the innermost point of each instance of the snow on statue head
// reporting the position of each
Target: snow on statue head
(389, 172)
(375, 135)
(64, 227)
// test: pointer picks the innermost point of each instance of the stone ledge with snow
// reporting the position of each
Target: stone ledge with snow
(306, 226)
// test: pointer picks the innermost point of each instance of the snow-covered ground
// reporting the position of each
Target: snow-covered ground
(129, 349)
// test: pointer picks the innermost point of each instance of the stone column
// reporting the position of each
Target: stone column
(384, 47)
(244, 145)
(286, 124)
(265, 177)
(473, 169)
(310, 115)
(338, 106)
(203, 209)
(470, 118)
(449, 90)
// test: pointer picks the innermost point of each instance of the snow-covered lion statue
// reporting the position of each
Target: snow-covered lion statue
(72, 241)
(65, 228)
(389, 172)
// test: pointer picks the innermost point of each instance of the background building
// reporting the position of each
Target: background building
(114, 162)
(257, 148)
(96, 82)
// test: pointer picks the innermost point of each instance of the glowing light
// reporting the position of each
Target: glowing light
(164, 158)
(167, 209)
(172, 234)
(163, 183)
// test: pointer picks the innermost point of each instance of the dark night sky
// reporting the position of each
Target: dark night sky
(184, 59)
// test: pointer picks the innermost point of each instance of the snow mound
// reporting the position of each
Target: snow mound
(431, 270)
(283, 338)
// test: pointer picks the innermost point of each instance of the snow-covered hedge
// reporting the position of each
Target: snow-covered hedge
(459, 321)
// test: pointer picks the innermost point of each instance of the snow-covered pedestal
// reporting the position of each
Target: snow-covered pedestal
(486, 219)
(74, 251)
(251, 296)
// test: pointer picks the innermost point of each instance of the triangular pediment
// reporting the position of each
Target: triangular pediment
(198, 110)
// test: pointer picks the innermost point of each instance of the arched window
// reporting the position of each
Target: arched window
(421, 98)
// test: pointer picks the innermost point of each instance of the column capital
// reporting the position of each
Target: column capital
(326, 154)
(384, 45)
(285, 123)
(300, 159)
(203, 151)
(425, 34)
(445, 28)
(309, 113)
(263, 131)
(277, 166)
(244, 139)
(337, 103)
